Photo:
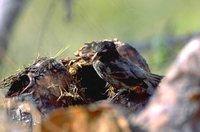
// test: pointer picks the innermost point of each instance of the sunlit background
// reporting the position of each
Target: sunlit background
(46, 26)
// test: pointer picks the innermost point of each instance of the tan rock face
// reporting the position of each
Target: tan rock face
(175, 105)
(100, 117)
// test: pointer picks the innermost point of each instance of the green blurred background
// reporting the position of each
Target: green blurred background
(42, 28)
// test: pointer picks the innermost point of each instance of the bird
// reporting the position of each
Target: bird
(120, 72)
(124, 49)
(128, 51)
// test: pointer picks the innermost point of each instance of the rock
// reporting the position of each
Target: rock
(100, 117)
(43, 85)
(175, 105)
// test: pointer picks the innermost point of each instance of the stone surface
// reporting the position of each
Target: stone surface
(175, 105)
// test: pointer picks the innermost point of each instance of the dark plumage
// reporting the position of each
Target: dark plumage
(119, 71)
(129, 52)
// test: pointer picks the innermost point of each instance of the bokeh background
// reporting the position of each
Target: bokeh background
(156, 27)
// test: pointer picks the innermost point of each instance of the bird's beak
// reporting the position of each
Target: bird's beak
(95, 57)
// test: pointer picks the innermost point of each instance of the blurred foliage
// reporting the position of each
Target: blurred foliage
(161, 53)
(42, 28)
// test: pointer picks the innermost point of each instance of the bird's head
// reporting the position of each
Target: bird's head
(106, 51)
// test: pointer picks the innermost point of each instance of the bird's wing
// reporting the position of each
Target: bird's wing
(120, 70)
(126, 72)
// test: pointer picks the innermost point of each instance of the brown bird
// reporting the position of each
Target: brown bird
(119, 71)
(124, 49)
(129, 52)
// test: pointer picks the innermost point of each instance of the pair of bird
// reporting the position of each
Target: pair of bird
(120, 72)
